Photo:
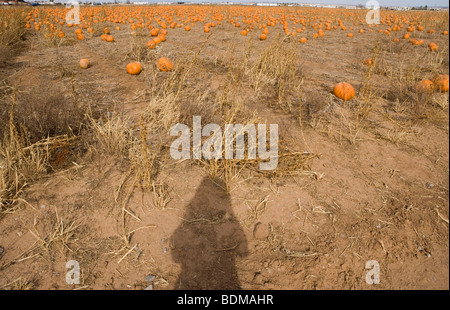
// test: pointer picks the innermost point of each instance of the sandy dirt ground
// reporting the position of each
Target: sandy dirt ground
(377, 190)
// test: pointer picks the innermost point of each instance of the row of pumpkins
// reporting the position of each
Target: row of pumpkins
(246, 19)
(135, 67)
(440, 83)
(343, 90)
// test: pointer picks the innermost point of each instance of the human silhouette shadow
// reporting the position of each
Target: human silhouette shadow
(208, 241)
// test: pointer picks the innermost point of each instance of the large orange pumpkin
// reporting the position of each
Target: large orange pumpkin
(425, 86)
(165, 64)
(151, 44)
(84, 63)
(134, 68)
(344, 91)
(441, 83)
(154, 32)
(433, 47)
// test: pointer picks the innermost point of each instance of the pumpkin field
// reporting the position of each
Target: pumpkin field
(87, 103)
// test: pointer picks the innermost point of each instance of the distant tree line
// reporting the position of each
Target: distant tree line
(422, 8)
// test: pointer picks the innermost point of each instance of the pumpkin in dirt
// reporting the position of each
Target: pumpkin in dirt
(344, 91)
(85, 63)
(134, 68)
(109, 38)
(157, 40)
(162, 37)
(262, 37)
(165, 64)
(433, 47)
(151, 44)
(368, 62)
(441, 83)
(303, 40)
(425, 87)
(154, 32)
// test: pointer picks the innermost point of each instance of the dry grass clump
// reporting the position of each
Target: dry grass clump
(20, 284)
(404, 71)
(112, 134)
(36, 138)
(12, 27)
(40, 116)
(274, 74)
(22, 162)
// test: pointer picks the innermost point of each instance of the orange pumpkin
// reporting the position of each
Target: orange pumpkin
(165, 64)
(151, 44)
(162, 37)
(134, 68)
(263, 37)
(303, 40)
(433, 47)
(84, 63)
(441, 83)
(154, 32)
(368, 62)
(157, 40)
(109, 38)
(425, 86)
(344, 91)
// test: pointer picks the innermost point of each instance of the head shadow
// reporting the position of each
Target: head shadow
(208, 241)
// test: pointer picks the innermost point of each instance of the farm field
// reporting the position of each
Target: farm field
(87, 175)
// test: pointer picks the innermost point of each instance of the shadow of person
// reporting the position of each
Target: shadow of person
(208, 241)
